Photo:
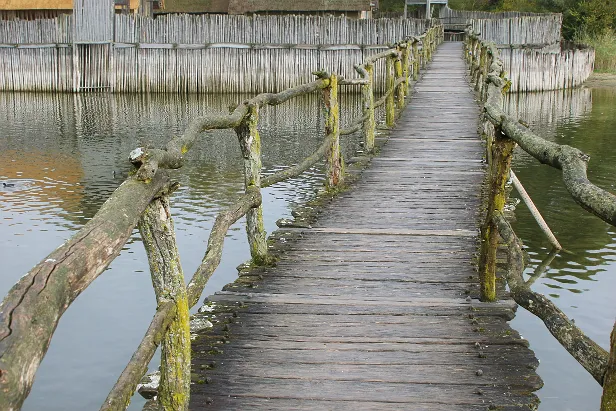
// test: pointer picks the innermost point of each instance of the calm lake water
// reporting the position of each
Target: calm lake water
(61, 152)
(582, 279)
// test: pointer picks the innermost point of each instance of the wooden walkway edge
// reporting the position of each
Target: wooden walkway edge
(370, 308)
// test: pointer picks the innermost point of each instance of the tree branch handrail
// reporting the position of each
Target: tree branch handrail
(487, 73)
(73, 266)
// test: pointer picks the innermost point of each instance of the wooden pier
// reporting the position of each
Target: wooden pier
(375, 305)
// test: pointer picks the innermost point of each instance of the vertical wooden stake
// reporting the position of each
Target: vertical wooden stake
(334, 161)
(398, 74)
(157, 232)
(367, 94)
(415, 60)
(482, 60)
(405, 68)
(250, 144)
(502, 150)
(608, 400)
(390, 111)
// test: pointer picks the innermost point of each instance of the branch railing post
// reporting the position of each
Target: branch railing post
(416, 59)
(367, 94)
(390, 110)
(334, 161)
(250, 144)
(480, 78)
(502, 151)
(399, 76)
(158, 234)
(406, 56)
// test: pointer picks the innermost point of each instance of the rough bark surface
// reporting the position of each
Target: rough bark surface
(30, 312)
(334, 161)
(158, 234)
(608, 400)
(250, 144)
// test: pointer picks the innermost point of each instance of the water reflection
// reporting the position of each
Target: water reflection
(580, 279)
(567, 118)
(65, 154)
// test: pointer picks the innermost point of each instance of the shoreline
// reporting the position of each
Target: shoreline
(601, 80)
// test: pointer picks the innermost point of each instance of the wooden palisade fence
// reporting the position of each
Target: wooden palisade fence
(186, 53)
(530, 47)
(30, 312)
(503, 133)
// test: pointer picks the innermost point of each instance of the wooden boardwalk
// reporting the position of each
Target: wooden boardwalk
(369, 308)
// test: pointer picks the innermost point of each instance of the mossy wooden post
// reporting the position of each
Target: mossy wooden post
(398, 74)
(334, 163)
(415, 60)
(502, 150)
(430, 42)
(480, 75)
(250, 144)
(390, 108)
(608, 400)
(406, 67)
(157, 232)
(484, 86)
(367, 94)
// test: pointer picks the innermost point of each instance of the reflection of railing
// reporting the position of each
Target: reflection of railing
(503, 133)
(30, 312)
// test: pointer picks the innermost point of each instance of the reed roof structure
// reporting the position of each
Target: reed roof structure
(256, 6)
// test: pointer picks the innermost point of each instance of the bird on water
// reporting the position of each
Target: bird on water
(8, 184)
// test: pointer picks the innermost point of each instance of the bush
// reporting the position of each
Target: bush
(605, 49)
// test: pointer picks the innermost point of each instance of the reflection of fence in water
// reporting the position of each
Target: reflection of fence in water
(549, 108)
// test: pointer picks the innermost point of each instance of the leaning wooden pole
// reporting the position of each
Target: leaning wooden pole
(534, 211)
(158, 235)
(250, 143)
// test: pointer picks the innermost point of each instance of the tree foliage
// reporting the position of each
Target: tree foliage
(580, 17)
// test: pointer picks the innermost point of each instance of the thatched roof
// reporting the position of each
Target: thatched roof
(47, 4)
(36, 5)
(195, 6)
(256, 6)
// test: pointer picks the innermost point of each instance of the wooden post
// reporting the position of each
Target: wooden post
(608, 400)
(390, 111)
(479, 74)
(334, 163)
(157, 232)
(250, 144)
(398, 74)
(502, 150)
(415, 60)
(405, 67)
(367, 94)
(429, 39)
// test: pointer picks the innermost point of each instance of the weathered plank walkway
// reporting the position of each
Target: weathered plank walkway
(368, 309)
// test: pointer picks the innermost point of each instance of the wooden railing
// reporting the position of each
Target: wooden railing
(30, 312)
(502, 134)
